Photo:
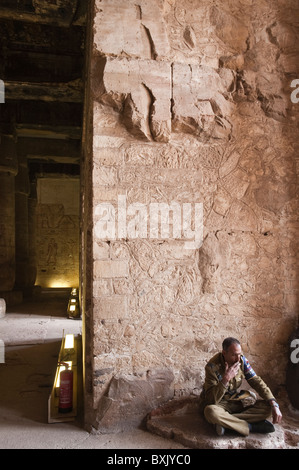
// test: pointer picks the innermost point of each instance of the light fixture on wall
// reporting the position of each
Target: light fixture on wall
(69, 341)
(73, 308)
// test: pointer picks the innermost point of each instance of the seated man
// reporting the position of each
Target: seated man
(219, 399)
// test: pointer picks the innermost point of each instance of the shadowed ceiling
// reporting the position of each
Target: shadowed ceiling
(42, 46)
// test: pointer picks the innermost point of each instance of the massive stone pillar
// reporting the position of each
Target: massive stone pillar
(186, 104)
(8, 170)
(22, 191)
(32, 204)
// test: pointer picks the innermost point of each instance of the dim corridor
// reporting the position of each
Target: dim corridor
(32, 333)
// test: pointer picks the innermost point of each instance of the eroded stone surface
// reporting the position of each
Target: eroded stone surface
(128, 401)
(200, 114)
(141, 91)
(141, 31)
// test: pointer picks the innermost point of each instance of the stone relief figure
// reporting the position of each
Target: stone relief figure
(53, 216)
(52, 252)
(60, 218)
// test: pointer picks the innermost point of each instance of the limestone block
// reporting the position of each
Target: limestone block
(129, 399)
(283, 36)
(200, 107)
(110, 307)
(107, 194)
(123, 286)
(104, 175)
(228, 165)
(273, 194)
(141, 90)
(234, 62)
(100, 250)
(236, 183)
(141, 31)
(109, 156)
(102, 287)
(273, 99)
(241, 217)
(230, 29)
(222, 202)
(111, 268)
(2, 308)
(102, 141)
(267, 85)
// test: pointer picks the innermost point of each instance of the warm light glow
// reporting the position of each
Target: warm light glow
(58, 284)
(69, 341)
(73, 304)
(60, 369)
(54, 283)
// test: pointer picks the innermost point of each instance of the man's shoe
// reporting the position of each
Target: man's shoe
(220, 430)
(262, 427)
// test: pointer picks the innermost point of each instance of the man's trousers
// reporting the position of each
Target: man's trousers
(232, 415)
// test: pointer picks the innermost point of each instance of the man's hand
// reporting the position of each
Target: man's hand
(230, 372)
(276, 415)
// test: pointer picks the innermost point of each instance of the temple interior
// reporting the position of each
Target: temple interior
(148, 207)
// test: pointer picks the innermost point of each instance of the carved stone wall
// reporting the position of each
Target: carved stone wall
(190, 102)
(57, 232)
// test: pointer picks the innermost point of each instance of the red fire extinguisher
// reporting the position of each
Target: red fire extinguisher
(66, 389)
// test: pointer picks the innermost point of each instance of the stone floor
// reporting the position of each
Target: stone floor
(32, 334)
